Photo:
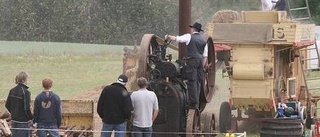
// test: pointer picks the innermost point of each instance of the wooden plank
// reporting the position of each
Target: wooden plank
(284, 33)
(210, 28)
(264, 16)
(6, 130)
(77, 107)
(79, 121)
(62, 134)
(293, 32)
(305, 32)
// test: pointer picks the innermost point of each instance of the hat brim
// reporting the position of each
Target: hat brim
(121, 82)
(193, 27)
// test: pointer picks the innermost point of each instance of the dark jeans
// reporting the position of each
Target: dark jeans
(22, 129)
(194, 73)
(142, 132)
(119, 129)
(52, 130)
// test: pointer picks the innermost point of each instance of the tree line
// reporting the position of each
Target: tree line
(105, 21)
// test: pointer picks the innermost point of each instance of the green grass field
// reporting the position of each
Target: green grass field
(73, 67)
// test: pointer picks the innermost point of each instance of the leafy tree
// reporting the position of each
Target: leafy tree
(314, 6)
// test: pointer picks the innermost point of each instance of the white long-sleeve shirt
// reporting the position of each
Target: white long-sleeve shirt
(185, 38)
(266, 5)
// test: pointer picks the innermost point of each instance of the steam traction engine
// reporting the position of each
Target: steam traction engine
(167, 80)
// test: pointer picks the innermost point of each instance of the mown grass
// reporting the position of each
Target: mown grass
(73, 67)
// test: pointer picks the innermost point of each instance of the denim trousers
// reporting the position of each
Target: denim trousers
(44, 129)
(120, 129)
(142, 131)
(23, 129)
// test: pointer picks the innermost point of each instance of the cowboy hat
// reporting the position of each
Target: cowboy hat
(197, 26)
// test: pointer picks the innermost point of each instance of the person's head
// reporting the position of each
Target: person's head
(22, 78)
(47, 83)
(123, 79)
(142, 82)
(196, 27)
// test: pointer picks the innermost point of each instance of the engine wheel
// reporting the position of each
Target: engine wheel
(209, 125)
(281, 127)
(193, 123)
(208, 83)
(147, 47)
(225, 117)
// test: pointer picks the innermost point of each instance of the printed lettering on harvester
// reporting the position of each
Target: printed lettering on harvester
(278, 34)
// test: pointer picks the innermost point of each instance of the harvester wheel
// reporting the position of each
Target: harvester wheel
(209, 125)
(193, 123)
(281, 127)
(225, 117)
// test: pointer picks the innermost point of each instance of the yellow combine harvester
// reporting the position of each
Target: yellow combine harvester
(268, 71)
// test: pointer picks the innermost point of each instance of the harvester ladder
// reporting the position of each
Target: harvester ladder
(311, 79)
(301, 14)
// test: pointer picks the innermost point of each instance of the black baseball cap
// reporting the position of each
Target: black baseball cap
(123, 78)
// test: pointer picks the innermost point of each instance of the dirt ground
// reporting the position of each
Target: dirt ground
(212, 107)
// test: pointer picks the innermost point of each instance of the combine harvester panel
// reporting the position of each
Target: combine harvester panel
(268, 72)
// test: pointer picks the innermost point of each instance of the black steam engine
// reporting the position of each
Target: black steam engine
(166, 78)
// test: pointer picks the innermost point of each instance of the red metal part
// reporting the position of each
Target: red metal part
(221, 47)
(305, 43)
(317, 129)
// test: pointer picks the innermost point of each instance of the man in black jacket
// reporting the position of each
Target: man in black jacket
(18, 104)
(114, 108)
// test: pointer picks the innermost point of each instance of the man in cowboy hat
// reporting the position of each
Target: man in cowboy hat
(266, 5)
(196, 53)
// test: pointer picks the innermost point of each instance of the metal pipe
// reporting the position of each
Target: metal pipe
(184, 22)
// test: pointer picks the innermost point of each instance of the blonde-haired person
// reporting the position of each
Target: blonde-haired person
(18, 104)
(47, 111)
